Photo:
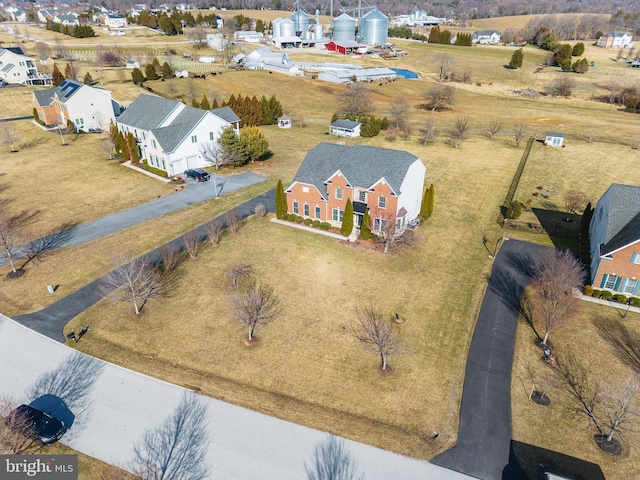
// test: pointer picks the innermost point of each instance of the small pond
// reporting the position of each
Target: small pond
(405, 73)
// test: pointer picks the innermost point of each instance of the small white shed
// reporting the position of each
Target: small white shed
(346, 128)
(181, 73)
(554, 139)
(284, 121)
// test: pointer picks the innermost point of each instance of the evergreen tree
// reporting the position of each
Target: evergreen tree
(563, 53)
(194, 103)
(260, 26)
(347, 221)
(137, 76)
(434, 33)
(88, 79)
(230, 140)
(384, 124)
(124, 148)
(444, 37)
(150, 72)
(517, 58)
(252, 143)
(132, 148)
(70, 72)
(428, 209)
(281, 201)
(204, 105)
(580, 66)
(578, 49)
(58, 78)
(271, 110)
(514, 211)
(365, 228)
(215, 105)
(167, 71)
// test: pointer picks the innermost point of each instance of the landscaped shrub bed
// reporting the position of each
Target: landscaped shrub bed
(154, 170)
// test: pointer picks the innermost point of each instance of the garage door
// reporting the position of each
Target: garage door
(178, 167)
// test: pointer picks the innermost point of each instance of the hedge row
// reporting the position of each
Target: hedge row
(292, 217)
(154, 170)
(607, 295)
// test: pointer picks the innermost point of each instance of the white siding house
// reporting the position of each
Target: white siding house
(115, 20)
(615, 40)
(170, 135)
(486, 37)
(17, 68)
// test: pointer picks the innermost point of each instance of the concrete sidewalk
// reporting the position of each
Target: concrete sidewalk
(122, 404)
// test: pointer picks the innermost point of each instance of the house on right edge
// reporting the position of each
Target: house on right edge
(614, 240)
(388, 183)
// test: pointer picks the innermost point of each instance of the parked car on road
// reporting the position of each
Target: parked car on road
(32, 422)
(199, 174)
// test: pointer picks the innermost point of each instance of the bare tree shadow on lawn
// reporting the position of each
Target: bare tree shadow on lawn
(563, 228)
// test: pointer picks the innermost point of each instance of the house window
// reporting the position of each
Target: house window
(635, 258)
(611, 282)
(339, 193)
(211, 136)
(306, 209)
(163, 166)
(194, 139)
(362, 197)
(382, 202)
(338, 215)
(305, 189)
(379, 224)
(630, 287)
(295, 207)
(317, 212)
(153, 142)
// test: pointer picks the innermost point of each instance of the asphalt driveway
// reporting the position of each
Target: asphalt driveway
(484, 432)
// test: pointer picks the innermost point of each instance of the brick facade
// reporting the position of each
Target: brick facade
(622, 265)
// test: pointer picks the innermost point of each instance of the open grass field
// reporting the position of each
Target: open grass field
(517, 22)
(437, 287)
(553, 427)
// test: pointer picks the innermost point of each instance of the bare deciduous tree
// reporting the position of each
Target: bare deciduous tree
(445, 64)
(429, 133)
(385, 227)
(332, 461)
(9, 134)
(227, 53)
(217, 154)
(407, 130)
(170, 256)
(574, 200)
(377, 334)
(177, 448)
(15, 435)
(214, 231)
(439, 96)
(495, 126)
(561, 86)
(12, 232)
(234, 220)
(399, 112)
(192, 244)
(108, 146)
(239, 273)
(260, 210)
(556, 273)
(355, 99)
(255, 304)
(459, 132)
(519, 133)
(198, 35)
(133, 280)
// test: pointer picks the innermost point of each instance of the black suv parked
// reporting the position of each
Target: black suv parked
(34, 423)
(199, 174)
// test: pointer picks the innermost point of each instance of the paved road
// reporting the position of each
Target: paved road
(113, 407)
(484, 432)
(51, 320)
(196, 192)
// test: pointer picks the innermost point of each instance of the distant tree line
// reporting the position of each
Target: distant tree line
(406, 32)
(77, 31)
(253, 112)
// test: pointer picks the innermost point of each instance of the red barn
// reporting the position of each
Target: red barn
(346, 47)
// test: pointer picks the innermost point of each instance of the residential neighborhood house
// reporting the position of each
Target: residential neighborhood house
(17, 68)
(170, 134)
(486, 37)
(614, 240)
(88, 108)
(115, 20)
(615, 40)
(388, 183)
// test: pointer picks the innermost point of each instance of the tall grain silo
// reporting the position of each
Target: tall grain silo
(301, 23)
(317, 31)
(275, 25)
(287, 28)
(373, 28)
(344, 28)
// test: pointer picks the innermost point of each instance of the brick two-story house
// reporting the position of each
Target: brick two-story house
(389, 183)
(614, 239)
